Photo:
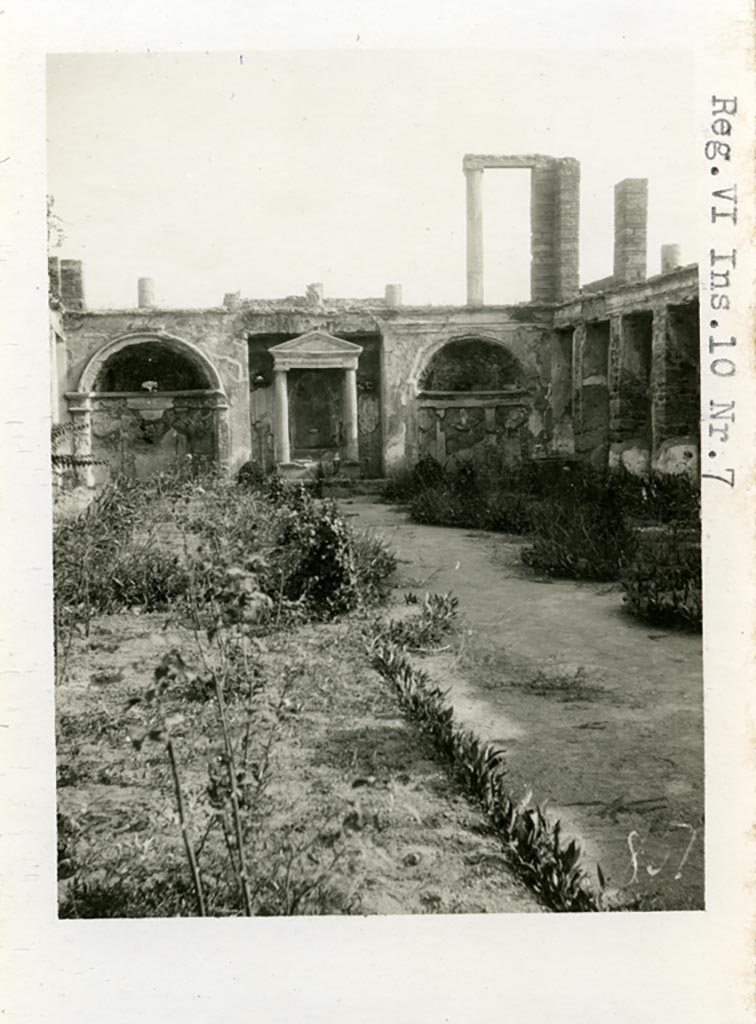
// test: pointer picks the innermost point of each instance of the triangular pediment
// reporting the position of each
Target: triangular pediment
(316, 349)
(317, 343)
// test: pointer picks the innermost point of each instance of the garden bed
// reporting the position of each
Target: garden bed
(359, 815)
(224, 747)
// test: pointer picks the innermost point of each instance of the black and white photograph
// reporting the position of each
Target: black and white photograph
(385, 485)
(387, 603)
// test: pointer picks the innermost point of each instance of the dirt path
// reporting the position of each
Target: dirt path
(601, 715)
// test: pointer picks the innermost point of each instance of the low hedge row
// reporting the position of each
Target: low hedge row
(548, 865)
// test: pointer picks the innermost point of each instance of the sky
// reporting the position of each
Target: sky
(265, 172)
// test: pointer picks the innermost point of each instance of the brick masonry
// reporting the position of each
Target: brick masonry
(630, 230)
(555, 217)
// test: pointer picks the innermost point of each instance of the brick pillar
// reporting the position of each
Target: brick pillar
(578, 348)
(615, 372)
(542, 232)
(561, 392)
(658, 384)
(592, 428)
(567, 229)
(72, 284)
(675, 389)
(630, 227)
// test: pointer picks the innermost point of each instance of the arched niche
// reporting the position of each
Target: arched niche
(470, 395)
(471, 365)
(143, 350)
(148, 403)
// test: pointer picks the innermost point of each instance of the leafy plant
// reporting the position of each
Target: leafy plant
(322, 564)
(580, 541)
(68, 434)
(437, 618)
(407, 483)
(374, 566)
(662, 584)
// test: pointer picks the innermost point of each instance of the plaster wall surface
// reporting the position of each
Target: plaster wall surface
(410, 342)
(645, 391)
(212, 331)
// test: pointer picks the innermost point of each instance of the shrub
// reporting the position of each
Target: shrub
(498, 511)
(302, 552)
(664, 498)
(318, 560)
(580, 540)
(84, 550)
(374, 564)
(123, 896)
(99, 564)
(145, 577)
(442, 507)
(407, 483)
(437, 617)
(487, 492)
(315, 557)
(251, 476)
(662, 584)
(507, 513)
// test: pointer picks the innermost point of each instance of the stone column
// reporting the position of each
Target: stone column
(283, 451)
(222, 434)
(351, 442)
(80, 409)
(474, 178)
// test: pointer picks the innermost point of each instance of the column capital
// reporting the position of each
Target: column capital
(79, 401)
(471, 163)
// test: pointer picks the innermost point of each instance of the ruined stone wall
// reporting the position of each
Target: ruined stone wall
(642, 409)
(212, 331)
(411, 340)
(610, 376)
